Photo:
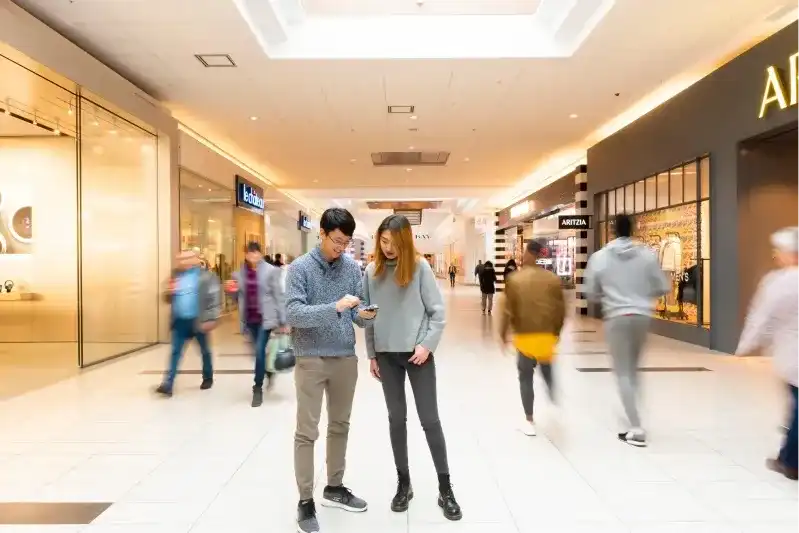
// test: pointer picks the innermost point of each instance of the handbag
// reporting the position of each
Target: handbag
(280, 354)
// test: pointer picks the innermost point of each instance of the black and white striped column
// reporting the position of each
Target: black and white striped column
(498, 258)
(581, 244)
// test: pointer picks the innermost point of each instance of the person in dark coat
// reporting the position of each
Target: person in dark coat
(488, 280)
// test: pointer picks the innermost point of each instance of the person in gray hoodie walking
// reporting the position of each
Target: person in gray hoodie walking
(323, 300)
(626, 277)
(401, 341)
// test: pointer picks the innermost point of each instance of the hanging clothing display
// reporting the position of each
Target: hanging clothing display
(671, 253)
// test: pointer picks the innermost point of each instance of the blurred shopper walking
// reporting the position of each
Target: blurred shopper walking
(535, 311)
(323, 300)
(772, 325)
(488, 280)
(477, 269)
(453, 271)
(262, 310)
(401, 341)
(509, 269)
(626, 277)
(196, 306)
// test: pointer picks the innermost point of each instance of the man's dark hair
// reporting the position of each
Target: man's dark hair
(534, 247)
(253, 247)
(623, 225)
(337, 218)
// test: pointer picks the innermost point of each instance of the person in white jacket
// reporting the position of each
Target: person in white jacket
(771, 324)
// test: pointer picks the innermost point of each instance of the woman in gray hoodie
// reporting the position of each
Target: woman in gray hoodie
(401, 341)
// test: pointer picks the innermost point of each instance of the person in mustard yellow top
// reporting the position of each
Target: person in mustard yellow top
(534, 311)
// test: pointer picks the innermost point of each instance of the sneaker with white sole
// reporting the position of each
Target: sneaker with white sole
(528, 428)
(342, 498)
(634, 437)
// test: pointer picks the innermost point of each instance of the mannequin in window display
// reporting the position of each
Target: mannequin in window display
(688, 288)
(671, 265)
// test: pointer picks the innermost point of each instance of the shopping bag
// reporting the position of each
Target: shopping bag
(280, 354)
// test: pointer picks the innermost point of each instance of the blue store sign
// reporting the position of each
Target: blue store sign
(249, 197)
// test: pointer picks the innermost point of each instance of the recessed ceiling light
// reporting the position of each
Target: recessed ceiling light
(316, 181)
(408, 170)
(353, 160)
(573, 115)
(466, 159)
(413, 117)
(253, 118)
(410, 148)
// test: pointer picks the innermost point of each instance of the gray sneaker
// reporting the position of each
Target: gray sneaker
(342, 498)
(306, 517)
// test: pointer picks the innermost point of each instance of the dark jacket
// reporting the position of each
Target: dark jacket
(509, 269)
(488, 279)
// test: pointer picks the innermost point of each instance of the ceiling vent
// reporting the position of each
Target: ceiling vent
(404, 206)
(401, 109)
(409, 159)
(414, 216)
(216, 60)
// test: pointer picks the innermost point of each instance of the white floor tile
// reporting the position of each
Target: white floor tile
(206, 462)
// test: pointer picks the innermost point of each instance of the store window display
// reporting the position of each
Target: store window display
(80, 282)
(676, 226)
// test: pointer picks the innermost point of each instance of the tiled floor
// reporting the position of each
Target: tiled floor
(205, 462)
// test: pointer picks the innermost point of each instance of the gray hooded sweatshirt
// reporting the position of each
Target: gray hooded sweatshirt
(626, 277)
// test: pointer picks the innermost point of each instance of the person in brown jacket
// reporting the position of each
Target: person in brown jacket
(535, 310)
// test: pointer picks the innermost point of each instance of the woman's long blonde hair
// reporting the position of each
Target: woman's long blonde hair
(407, 256)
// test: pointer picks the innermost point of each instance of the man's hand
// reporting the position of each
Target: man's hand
(420, 355)
(231, 286)
(374, 369)
(348, 302)
(283, 330)
(205, 327)
(367, 315)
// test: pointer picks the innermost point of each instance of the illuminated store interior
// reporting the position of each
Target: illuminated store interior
(78, 225)
(672, 216)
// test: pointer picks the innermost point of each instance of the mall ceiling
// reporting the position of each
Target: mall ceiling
(509, 124)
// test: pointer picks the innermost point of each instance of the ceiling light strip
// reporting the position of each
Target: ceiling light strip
(244, 166)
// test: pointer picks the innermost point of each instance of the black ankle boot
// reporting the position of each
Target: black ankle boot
(446, 499)
(401, 500)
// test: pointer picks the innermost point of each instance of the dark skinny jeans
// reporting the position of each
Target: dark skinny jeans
(393, 368)
(788, 452)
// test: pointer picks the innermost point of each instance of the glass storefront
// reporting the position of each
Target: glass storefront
(78, 223)
(206, 223)
(671, 211)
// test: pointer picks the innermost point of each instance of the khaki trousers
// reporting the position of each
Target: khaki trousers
(315, 377)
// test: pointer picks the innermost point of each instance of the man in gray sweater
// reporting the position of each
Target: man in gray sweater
(323, 300)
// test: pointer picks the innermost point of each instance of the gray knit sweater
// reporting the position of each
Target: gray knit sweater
(313, 286)
(408, 316)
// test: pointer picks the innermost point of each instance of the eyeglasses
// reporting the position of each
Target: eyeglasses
(338, 243)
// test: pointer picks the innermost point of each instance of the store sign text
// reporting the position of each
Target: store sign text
(775, 92)
(249, 196)
(519, 210)
(574, 222)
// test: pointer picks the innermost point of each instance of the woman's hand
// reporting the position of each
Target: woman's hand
(420, 355)
(374, 369)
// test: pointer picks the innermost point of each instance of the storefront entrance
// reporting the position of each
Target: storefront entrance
(768, 196)
(79, 233)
